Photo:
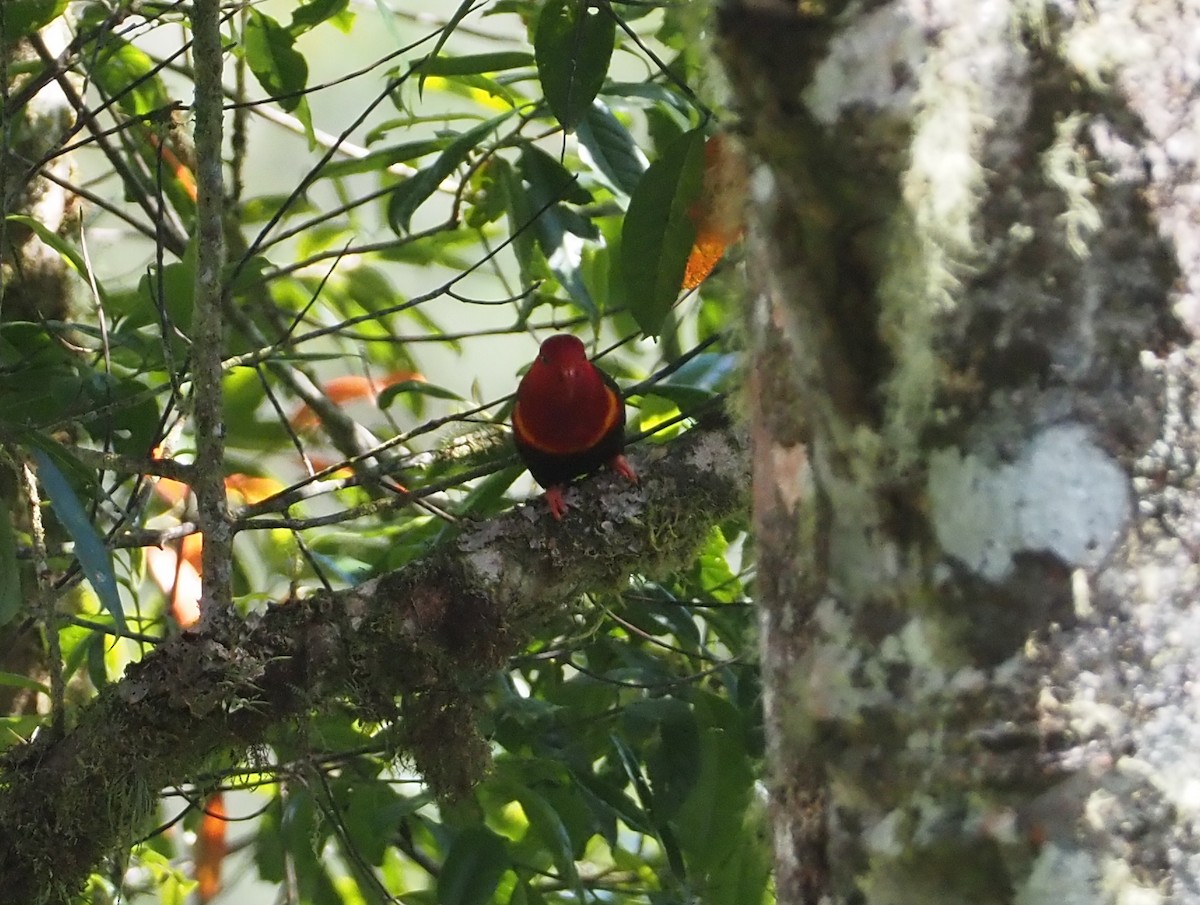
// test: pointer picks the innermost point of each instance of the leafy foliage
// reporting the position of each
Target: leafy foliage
(404, 228)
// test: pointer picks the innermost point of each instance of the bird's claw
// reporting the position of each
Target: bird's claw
(621, 466)
(557, 502)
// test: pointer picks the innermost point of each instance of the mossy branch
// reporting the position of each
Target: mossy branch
(429, 634)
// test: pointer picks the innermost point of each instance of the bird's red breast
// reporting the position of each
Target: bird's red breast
(569, 419)
(565, 404)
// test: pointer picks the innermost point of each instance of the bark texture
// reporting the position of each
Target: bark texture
(432, 634)
(976, 247)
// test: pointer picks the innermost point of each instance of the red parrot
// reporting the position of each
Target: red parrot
(569, 419)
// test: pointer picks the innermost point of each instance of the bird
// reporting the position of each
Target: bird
(568, 420)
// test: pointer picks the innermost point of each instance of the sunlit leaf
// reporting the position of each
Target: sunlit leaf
(270, 52)
(126, 74)
(481, 89)
(711, 569)
(552, 832)
(309, 15)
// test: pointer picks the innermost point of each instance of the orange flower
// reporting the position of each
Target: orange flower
(177, 573)
(172, 491)
(210, 848)
(718, 216)
(253, 489)
(348, 388)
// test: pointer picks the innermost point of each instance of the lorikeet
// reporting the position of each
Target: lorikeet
(569, 419)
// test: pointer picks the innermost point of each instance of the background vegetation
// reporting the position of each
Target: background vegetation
(414, 198)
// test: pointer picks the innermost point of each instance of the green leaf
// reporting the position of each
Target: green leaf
(126, 73)
(14, 729)
(371, 812)
(550, 181)
(476, 64)
(10, 575)
(552, 832)
(699, 380)
(414, 191)
(743, 877)
(133, 425)
(447, 30)
(473, 867)
(573, 45)
(473, 87)
(659, 233)
(487, 196)
(13, 680)
(659, 97)
(93, 556)
(606, 145)
(606, 797)
(559, 230)
(484, 498)
(520, 219)
(20, 18)
(279, 67)
(711, 571)
(381, 160)
(39, 380)
(309, 15)
(388, 395)
(717, 801)
(66, 251)
(671, 762)
(178, 288)
(270, 852)
(666, 836)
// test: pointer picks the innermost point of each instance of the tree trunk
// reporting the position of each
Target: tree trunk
(977, 259)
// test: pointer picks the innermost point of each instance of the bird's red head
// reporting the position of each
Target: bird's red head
(562, 368)
(562, 352)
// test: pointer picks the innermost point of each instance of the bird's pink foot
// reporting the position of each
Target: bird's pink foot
(621, 466)
(556, 502)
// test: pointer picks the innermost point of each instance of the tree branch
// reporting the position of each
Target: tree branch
(431, 633)
(212, 510)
